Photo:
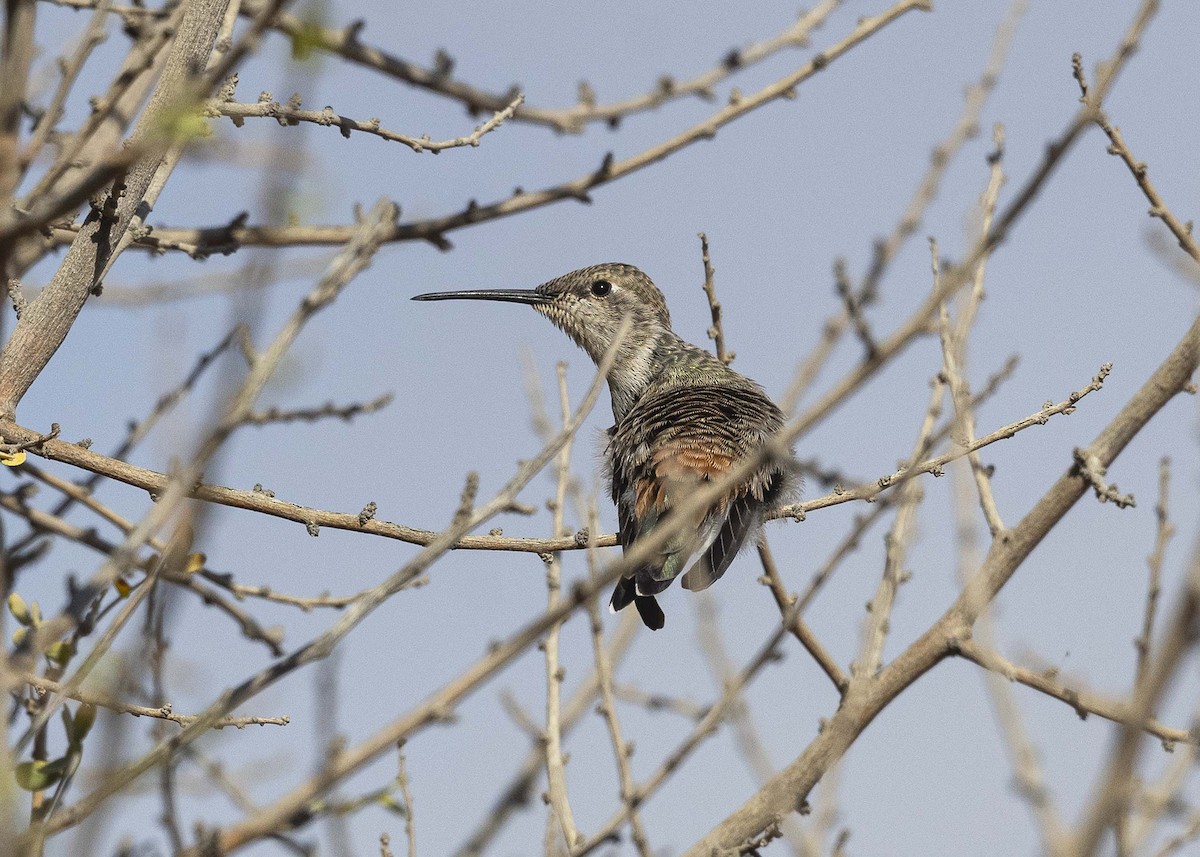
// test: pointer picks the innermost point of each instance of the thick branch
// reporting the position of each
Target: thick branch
(46, 321)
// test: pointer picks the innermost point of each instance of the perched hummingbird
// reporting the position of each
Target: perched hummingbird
(683, 418)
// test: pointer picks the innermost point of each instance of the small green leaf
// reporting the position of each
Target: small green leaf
(389, 802)
(39, 774)
(309, 36)
(19, 635)
(305, 41)
(61, 652)
(181, 123)
(85, 716)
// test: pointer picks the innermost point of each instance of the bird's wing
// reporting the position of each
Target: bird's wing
(737, 524)
(674, 441)
(675, 470)
(628, 529)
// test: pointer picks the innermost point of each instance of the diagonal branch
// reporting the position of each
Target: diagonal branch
(1082, 702)
(46, 321)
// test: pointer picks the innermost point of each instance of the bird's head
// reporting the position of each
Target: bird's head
(589, 306)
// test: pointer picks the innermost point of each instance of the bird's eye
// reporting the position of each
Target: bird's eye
(601, 288)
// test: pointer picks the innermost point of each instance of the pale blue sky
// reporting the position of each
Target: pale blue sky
(781, 194)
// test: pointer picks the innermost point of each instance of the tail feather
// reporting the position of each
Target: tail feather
(647, 581)
(652, 615)
(625, 593)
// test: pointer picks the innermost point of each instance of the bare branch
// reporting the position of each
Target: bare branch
(1158, 208)
(717, 332)
(312, 415)
(519, 791)
(292, 114)
(227, 239)
(896, 541)
(164, 712)
(561, 817)
(1083, 702)
(346, 43)
(937, 464)
(790, 605)
(273, 818)
(1165, 530)
(622, 750)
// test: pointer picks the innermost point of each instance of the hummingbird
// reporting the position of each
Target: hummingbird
(683, 418)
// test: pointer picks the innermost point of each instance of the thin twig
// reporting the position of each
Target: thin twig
(1154, 562)
(310, 415)
(1091, 469)
(163, 712)
(954, 346)
(154, 651)
(223, 239)
(656, 702)
(1083, 702)
(347, 43)
(787, 601)
(717, 332)
(622, 750)
(519, 790)
(896, 541)
(292, 114)
(853, 303)
(936, 465)
(561, 815)
(1158, 208)
(410, 830)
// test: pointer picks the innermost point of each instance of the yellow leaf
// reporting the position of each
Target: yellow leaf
(12, 459)
(19, 609)
(195, 562)
(123, 587)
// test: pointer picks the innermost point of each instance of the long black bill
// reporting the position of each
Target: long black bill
(514, 296)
